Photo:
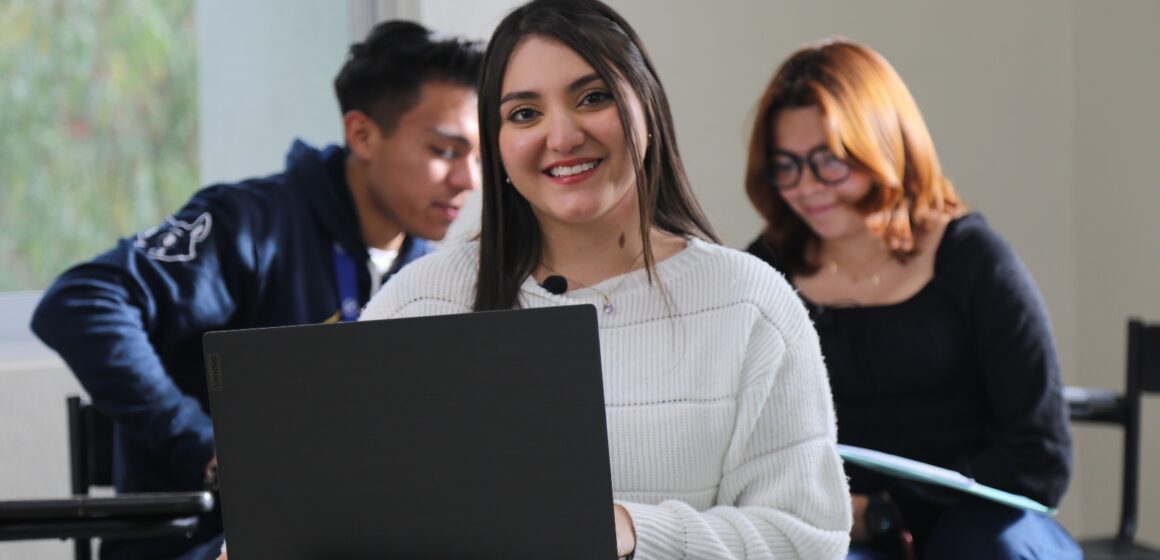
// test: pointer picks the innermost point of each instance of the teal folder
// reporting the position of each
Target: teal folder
(915, 470)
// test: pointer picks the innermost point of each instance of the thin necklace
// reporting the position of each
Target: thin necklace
(606, 296)
(833, 268)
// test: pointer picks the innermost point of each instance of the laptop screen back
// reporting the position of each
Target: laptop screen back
(460, 436)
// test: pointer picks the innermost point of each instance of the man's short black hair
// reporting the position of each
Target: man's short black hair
(383, 74)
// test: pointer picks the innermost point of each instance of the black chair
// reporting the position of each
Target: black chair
(91, 465)
(1104, 406)
(90, 447)
(83, 518)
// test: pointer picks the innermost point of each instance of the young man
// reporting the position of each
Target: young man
(308, 245)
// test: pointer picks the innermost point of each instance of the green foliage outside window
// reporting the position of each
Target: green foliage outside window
(98, 127)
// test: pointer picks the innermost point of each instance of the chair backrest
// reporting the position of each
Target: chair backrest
(1105, 406)
(152, 515)
(1148, 353)
(90, 443)
(1143, 375)
(90, 446)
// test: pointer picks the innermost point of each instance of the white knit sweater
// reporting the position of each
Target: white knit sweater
(720, 422)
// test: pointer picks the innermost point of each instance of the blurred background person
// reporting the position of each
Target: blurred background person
(307, 245)
(936, 338)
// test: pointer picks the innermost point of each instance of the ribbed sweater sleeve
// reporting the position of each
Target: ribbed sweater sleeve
(783, 493)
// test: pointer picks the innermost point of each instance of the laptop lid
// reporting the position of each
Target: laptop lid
(479, 435)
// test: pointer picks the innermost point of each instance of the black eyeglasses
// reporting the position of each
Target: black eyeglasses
(784, 170)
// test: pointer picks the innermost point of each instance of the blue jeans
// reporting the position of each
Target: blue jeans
(208, 550)
(202, 546)
(977, 528)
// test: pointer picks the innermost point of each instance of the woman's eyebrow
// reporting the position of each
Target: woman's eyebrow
(575, 85)
(582, 81)
(807, 152)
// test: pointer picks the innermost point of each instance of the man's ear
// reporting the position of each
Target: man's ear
(362, 134)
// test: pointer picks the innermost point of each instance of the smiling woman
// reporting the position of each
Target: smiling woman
(714, 385)
(562, 142)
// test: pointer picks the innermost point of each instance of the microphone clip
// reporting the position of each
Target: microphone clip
(555, 284)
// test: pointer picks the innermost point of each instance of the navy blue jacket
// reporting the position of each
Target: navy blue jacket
(129, 323)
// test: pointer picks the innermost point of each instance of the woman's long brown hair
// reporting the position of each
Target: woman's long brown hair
(510, 237)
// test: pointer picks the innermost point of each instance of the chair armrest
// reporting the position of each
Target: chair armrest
(112, 528)
(1087, 404)
(122, 516)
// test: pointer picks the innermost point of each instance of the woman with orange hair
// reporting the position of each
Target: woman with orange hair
(937, 340)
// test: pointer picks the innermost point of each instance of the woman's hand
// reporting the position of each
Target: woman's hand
(625, 532)
(211, 475)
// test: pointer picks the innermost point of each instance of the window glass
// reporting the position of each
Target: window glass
(98, 127)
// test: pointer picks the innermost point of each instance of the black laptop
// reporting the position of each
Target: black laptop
(479, 435)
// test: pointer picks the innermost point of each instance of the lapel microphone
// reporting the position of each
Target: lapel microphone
(555, 284)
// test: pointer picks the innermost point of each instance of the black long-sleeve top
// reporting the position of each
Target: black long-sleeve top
(962, 375)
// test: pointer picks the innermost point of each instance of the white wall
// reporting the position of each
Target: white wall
(1116, 180)
(265, 76)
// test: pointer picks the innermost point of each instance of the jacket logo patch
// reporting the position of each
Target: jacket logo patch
(174, 240)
